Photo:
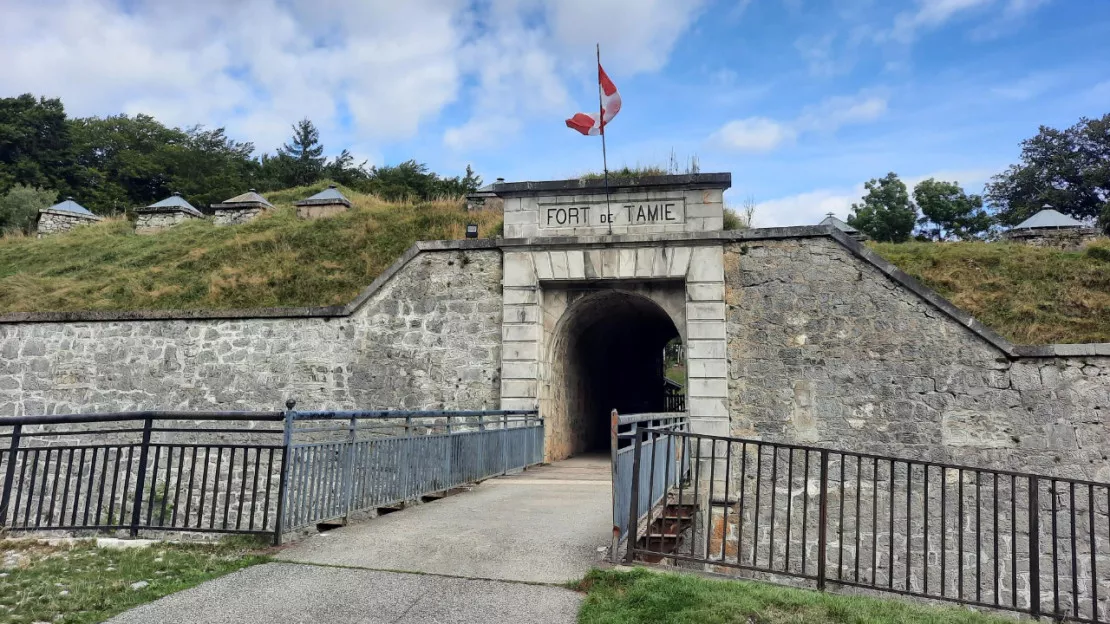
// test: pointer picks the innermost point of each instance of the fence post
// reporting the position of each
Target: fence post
(283, 480)
(9, 474)
(822, 520)
(1035, 547)
(140, 480)
(349, 470)
(613, 419)
(634, 503)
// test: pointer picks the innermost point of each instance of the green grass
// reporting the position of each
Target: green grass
(80, 583)
(1028, 294)
(615, 597)
(277, 260)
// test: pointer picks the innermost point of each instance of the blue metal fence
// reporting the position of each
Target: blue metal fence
(244, 472)
(387, 457)
(663, 467)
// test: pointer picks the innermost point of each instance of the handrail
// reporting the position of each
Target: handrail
(64, 419)
(628, 419)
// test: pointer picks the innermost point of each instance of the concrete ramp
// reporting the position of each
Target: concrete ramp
(544, 525)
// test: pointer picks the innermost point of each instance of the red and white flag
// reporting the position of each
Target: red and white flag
(593, 124)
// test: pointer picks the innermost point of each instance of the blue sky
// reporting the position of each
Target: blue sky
(802, 100)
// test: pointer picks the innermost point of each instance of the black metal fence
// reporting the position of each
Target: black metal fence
(226, 472)
(993, 538)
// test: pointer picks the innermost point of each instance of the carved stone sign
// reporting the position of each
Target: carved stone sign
(666, 211)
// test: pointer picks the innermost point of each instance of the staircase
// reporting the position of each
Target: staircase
(668, 532)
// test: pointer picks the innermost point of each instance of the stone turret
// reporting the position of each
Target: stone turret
(62, 217)
(240, 209)
(326, 203)
(165, 214)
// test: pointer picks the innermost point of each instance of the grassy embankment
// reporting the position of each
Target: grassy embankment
(82, 584)
(1027, 294)
(614, 597)
(276, 260)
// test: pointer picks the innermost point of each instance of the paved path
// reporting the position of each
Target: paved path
(474, 553)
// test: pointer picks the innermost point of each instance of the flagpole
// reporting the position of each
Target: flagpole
(604, 155)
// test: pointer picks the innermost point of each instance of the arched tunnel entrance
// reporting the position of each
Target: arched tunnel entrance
(607, 351)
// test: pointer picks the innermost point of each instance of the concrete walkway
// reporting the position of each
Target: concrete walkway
(476, 555)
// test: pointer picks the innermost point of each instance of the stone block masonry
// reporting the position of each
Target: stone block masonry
(57, 221)
(156, 221)
(824, 348)
(426, 336)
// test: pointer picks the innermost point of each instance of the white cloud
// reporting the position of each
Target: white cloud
(366, 72)
(806, 208)
(520, 64)
(755, 134)
(931, 14)
(636, 35)
(761, 134)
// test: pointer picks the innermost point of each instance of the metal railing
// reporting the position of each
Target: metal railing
(655, 476)
(188, 471)
(343, 462)
(226, 472)
(674, 398)
(1028, 543)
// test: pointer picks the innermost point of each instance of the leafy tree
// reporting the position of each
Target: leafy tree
(343, 170)
(35, 143)
(304, 155)
(947, 211)
(409, 180)
(124, 161)
(208, 167)
(19, 207)
(1066, 169)
(886, 214)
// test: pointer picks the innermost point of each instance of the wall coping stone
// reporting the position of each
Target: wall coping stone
(688, 181)
(623, 240)
(72, 215)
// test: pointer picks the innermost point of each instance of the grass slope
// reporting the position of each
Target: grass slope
(1027, 294)
(276, 260)
(82, 584)
(640, 595)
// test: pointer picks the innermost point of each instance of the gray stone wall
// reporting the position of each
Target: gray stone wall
(825, 349)
(150, 222)
(235, 216)
(52, 222)
(430, 337)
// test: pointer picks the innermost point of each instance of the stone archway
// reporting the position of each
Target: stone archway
(605, 352)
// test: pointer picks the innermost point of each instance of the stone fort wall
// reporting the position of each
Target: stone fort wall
(825, 349)
(428, 337)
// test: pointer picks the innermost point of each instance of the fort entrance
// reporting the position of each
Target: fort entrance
(605, 352)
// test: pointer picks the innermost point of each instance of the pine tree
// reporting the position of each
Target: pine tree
(305, 155)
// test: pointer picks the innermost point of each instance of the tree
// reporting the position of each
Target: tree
(886, 214)
(305, 159)
(947, 211)
(35, 143)
(124, 161)
(342, 169)
(208, 167)
(19, 207)
(1066, 169)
